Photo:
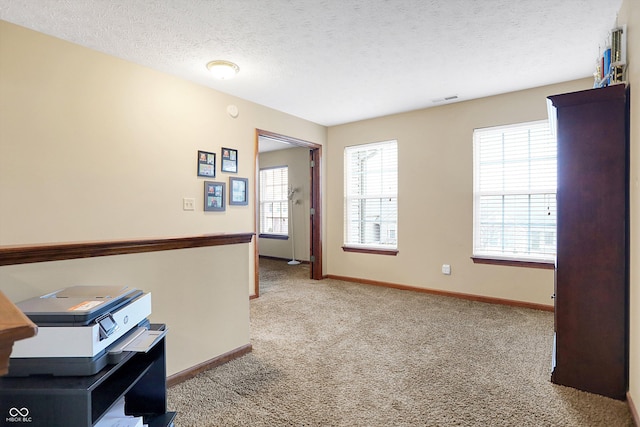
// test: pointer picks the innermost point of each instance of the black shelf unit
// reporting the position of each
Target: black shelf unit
(81, 401)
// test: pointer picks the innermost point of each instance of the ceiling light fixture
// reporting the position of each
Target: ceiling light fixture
(223, 70)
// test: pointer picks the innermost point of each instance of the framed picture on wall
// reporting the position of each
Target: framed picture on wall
(229, 160)
(206, 164)
(214, 196)
(238, 191)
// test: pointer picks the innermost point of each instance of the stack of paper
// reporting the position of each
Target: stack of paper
(116, 417)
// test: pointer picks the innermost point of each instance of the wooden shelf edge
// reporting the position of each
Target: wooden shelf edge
(14, 326)
(25, 254)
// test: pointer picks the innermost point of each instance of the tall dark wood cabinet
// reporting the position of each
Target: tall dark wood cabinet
(592, 266)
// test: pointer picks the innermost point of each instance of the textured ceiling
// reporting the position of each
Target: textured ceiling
(337, 61)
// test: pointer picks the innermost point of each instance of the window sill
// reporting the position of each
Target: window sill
(546, 265)
(273, 236)
(375, 251)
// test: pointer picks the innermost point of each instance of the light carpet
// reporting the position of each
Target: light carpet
(333, 353)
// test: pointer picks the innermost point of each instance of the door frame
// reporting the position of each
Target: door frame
(315, 163)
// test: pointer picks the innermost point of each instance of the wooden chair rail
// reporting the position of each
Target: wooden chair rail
(25, 254)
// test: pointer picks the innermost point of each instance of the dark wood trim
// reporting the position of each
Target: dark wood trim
(316, 201)
(545, 265)
(392, 252)
(479, 298)
(633, 410)
(25, 254)
(256, 216)
(315, 156)
(191, 372)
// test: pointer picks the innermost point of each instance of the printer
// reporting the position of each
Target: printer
(81, 329)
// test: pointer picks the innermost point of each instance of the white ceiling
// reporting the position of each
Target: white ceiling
(338, 61)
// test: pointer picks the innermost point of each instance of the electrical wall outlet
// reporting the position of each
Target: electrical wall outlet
(188, 204)
(446, 269)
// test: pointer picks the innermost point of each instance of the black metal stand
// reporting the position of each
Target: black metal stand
(81, 401)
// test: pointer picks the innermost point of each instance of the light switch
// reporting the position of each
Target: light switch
(188, 204)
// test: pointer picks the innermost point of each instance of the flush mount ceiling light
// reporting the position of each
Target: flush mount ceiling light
(223, 70)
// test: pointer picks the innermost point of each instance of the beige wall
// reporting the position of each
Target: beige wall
(435, 196)
(96, 148)
(297, 160)
(198, 293)
(93, 147)
(630, 15)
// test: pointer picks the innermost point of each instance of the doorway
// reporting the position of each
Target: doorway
(315, 211)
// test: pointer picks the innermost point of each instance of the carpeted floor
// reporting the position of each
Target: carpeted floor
(334, 353)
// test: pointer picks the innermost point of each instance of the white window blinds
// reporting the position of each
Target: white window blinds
(515, 192)
(371, 201)
(274, 204)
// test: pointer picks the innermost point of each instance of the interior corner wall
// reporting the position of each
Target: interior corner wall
(95, 148)
(435, 198)
(297, 161)
(630, 15)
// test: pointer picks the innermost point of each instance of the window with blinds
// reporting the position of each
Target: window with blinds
(371, 195)
(515, 180)
(274, 204)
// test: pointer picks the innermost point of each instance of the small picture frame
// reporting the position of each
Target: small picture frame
(238, 191)
(214, 194)
(229, 160)
(206, 164)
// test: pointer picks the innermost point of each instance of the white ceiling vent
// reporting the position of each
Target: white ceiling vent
(446, 98)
